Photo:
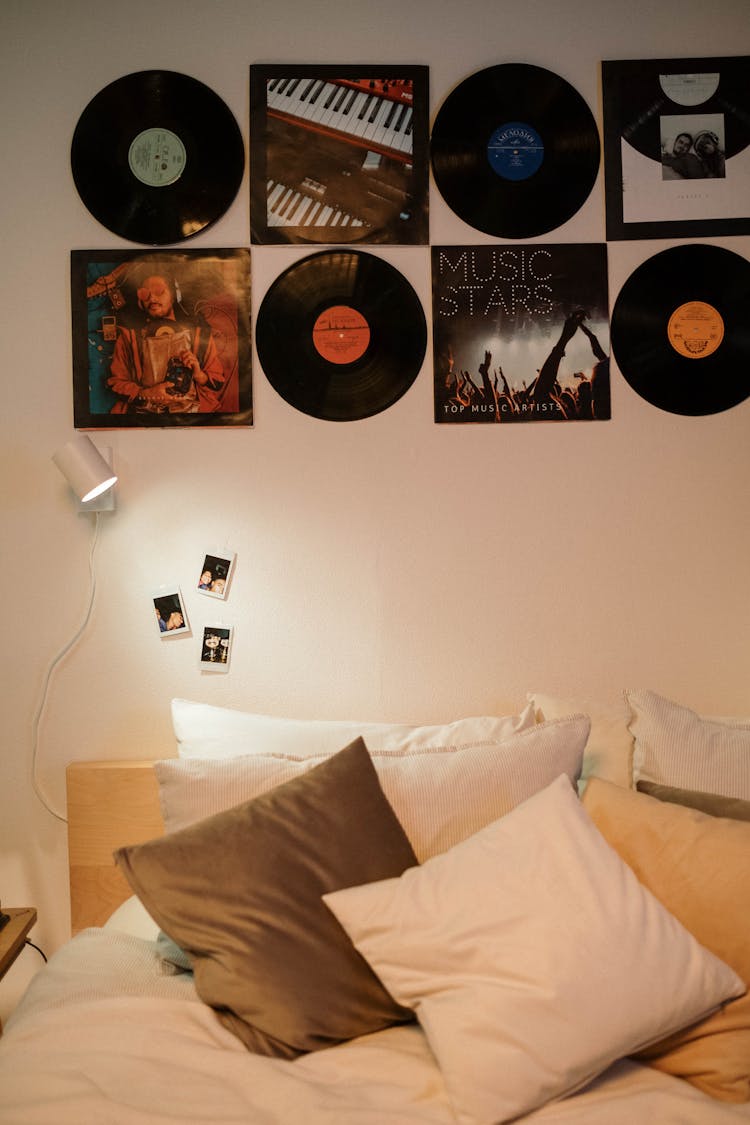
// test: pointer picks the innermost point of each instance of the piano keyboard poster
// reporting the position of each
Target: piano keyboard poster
(339, 155)
(521, 333)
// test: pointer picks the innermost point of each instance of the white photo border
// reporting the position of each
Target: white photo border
(219, 565)
(215, 652)
(168, 600)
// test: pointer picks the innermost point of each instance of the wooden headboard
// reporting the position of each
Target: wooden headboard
(109, 804)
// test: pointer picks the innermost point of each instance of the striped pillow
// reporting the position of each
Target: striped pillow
(675, 746)
(440, 794)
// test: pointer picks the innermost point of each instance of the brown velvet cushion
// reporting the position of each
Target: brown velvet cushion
(241, 891)
(732, 807)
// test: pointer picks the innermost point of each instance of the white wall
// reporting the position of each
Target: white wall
(388, 568)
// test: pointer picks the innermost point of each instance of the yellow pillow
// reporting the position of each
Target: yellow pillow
(698, 866)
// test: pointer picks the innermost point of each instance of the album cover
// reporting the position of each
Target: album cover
(521, 333)
(677, 147)
(161, 338)
(339, 154)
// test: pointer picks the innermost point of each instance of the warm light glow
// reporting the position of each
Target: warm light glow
(99, 489)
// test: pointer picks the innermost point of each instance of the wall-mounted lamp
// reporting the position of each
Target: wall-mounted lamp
(87, 473)
(92, 480)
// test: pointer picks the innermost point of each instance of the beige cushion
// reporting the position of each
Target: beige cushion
(440, 795)
(699, 867)
(203, 730)
(241, 892)
(675, 746)
(532, 956)
(709, 803)
(609, 750)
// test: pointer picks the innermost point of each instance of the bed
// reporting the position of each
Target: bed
(558, 894)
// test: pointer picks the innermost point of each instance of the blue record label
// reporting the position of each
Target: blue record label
(515, 151)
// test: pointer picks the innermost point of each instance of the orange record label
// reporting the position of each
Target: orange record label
(341, 334)
(695, 329)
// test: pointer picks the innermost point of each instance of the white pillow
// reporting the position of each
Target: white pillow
(131, 917)
(675, 746)
(205, 731)
(609, 750)
(532, 956)
(440, 794)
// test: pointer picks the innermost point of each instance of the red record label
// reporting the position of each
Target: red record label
(341, 334)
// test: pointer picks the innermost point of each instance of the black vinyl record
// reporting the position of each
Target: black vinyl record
(680, 330)
(157, 156)
(341, 335)
(515, 150)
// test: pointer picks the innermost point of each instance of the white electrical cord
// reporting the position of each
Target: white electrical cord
(48, 676)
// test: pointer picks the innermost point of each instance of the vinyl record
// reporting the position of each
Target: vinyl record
(515, 150)
(341, 335)
(680, 331)
(157, 156)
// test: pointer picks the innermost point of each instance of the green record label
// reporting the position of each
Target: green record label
(157, 157)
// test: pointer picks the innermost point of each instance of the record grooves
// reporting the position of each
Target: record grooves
(680, 330)
(341, 335)
(515, 150)
(157, 156)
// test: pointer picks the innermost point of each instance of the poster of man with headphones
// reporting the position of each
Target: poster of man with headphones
(161, 338)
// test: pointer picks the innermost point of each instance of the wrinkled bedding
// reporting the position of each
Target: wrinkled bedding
(106, 1035)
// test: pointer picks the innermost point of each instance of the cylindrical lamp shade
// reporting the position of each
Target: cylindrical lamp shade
(86, 471)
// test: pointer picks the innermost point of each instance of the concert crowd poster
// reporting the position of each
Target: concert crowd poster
(521, 333)
(161, 338)
(677, 147)
(339, 154)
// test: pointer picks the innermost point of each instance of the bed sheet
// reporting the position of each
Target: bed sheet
(105, 1035)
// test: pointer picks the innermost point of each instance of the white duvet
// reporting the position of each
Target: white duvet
(105, 1037)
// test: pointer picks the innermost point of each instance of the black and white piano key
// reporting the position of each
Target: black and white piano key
(354, 113)
(287, 207)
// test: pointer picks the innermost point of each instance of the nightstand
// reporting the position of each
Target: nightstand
(13, 936)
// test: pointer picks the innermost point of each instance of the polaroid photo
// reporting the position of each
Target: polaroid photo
(216, 574)
(171, 616)
(216, 648)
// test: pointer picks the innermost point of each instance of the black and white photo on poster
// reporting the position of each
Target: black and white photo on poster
(677, 147)
(521, 333)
